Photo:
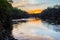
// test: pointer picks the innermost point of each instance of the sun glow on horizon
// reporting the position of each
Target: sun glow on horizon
(36, 11)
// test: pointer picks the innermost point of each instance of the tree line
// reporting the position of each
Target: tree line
(51, 15)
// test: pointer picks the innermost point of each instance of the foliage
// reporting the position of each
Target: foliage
(5, 20)
(51, 15)
(18, 14)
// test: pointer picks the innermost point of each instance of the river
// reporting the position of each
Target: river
(36, 30)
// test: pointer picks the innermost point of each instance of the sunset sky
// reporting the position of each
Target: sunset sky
(34, 4)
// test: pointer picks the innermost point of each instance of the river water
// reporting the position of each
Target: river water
(36, 30)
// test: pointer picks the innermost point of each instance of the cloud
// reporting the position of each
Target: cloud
(28, 4)
(34, 4)
(31, 1)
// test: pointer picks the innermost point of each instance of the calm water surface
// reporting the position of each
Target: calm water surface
(36, 30)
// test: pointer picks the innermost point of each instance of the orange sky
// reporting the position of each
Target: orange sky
(34, 6)
(35, 11)
(30, 11)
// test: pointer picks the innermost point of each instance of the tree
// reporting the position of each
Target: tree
(51, 15)
(5, 19)
(18, 14)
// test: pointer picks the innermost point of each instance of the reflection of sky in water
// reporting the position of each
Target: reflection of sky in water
(37, 29)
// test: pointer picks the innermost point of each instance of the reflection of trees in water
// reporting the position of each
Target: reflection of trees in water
(31, 26)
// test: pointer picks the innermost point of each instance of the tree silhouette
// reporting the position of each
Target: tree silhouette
(5, 20)
(51, 15)
(18, 14)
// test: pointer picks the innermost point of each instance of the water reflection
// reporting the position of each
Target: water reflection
(36, 30)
